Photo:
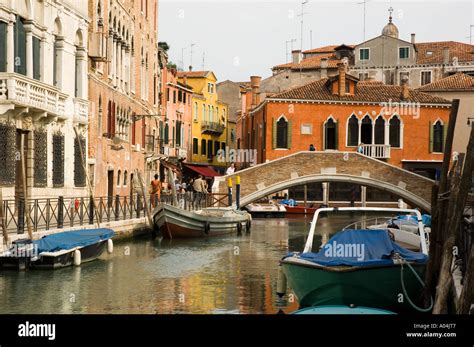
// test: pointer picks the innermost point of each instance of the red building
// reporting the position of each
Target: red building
(402, 126)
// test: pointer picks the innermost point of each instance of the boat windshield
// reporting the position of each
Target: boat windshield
(328, 221)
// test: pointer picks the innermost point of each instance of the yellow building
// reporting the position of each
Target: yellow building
(209, 131)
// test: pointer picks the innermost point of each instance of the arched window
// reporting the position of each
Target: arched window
(125, 176)
(366, 130)
(438, 128)
(379, 131)
(353, 131)
(78, 66)
(57, 53)
(395, 132)
(99, 117)
(119, 176)
(330, 134)
(282, 133)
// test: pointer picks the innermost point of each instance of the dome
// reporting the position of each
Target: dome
(390, 29)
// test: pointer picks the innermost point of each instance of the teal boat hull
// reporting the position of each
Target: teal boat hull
(376, 287)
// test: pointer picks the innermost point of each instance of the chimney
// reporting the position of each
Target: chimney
(446, 55)
(190, 68)
(296, 55)
(405, 90)
(413, 38)
(185, 79)
(255, 84)
(324, 67)
(342, 79)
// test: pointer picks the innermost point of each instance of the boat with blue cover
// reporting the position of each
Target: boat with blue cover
(58, 250)
(378, 268)
(340, 309)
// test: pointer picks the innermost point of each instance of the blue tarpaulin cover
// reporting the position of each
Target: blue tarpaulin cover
(361, 248)
(71, 239)
(425, 219)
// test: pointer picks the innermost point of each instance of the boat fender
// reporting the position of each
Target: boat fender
(207, 228)
(248, 225)
(77, 257)
(281, 282)
(110, 246)
(239, 228)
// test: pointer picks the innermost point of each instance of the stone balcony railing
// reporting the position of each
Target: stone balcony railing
(36, 95)
(212, 127)
(376, 151)
(80, 110)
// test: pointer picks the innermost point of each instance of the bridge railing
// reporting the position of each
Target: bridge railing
(376, 151)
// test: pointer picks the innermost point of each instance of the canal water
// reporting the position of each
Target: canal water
(229, 275)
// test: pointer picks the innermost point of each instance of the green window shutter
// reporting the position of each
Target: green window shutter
(3, 47)
(289, 134)
(274, 134)
(431, 136)
(445, 134)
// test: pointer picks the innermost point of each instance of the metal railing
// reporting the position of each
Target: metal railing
(212, 127)
(67, 212)
(376, 151)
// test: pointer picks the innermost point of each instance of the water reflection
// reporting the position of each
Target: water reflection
(216, 275)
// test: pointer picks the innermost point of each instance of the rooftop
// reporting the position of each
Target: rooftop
(458, 81)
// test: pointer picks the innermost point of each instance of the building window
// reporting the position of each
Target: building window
(180, 96)
(348, 87)
(195, 111)
(125, 176)
(3, 47)
(209, 149)
(20, 46)
(330, 134)
(203, 113)
(216, 147)
(395, 132)
(40, 158)
(425, 77)
(438, 128)
(223, 146)
(379, 131)
(353, 131)
(36, 58)
(282, 133)
(203, 147)
(58, 160)
(167, 138)
(174, 96)
(364, 54)
(195, 146)
(119, 177)
(167, 94)
(178, 133)
(79, 161)
(366, 130)
(404, 52)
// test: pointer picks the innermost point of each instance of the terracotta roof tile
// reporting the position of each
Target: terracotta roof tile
(310, 63)
(193, 73)
(324, 49)
(462, 51)
(364, 92)
(458, 81)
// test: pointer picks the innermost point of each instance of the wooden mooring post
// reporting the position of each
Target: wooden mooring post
(460, 186)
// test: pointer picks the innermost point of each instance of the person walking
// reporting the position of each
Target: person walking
(231, 169)
(199, 189)
(155, 191)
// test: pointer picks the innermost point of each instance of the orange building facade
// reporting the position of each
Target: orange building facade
(124, 94)
(401, 126)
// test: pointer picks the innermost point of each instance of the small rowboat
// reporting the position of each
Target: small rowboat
(174, 222)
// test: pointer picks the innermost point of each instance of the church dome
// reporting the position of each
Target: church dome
(390, 29)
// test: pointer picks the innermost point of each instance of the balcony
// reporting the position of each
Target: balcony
(35, 95)
(80, 111)
(212, 128)
(376, 151)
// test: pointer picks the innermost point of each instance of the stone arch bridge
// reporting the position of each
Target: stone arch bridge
(329, 166)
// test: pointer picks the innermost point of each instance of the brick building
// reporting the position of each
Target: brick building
(396, 124)
(124, 86)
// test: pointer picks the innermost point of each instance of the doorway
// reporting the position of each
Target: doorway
(330, 135)
(110, 186)
(19, 189)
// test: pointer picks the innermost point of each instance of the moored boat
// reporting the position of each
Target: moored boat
(58, 250)
(266, 210)
(174, 222)
(361, 267)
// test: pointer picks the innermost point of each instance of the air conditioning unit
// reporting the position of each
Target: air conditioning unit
(97, 46)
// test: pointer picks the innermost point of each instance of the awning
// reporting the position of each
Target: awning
(206, 171)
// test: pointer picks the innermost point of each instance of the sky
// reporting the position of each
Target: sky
(238, 39)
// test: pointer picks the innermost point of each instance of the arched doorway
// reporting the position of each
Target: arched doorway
(330, 134)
